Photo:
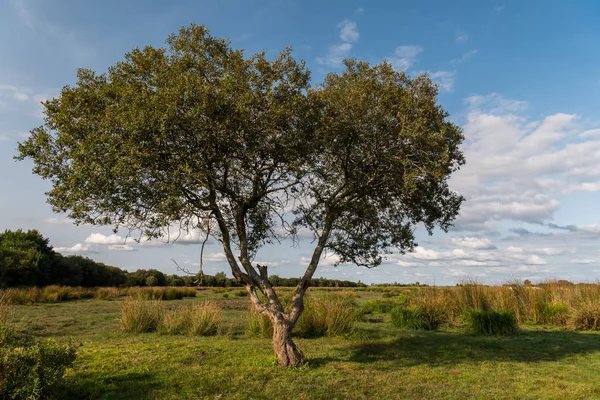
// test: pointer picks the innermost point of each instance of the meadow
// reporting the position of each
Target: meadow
(401, 342)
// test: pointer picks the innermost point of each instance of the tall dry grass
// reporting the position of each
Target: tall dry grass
(5, 307)
(547, 303)
(56, 293)
(141, 315)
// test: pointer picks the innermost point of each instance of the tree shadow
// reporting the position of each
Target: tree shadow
(130, 385)
(447, 349)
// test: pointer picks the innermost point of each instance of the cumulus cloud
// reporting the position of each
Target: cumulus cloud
(120, 247)
(405, 57)
(517, 168)
(100, 239)
(76, 249)
(476, 243)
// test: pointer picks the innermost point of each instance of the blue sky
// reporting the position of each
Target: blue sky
(521, 78)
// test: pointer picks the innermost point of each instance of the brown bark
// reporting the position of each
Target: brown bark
(286, 351)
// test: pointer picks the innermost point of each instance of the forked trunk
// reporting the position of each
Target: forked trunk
(286, 351)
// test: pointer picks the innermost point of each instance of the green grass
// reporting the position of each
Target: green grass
(380, 362)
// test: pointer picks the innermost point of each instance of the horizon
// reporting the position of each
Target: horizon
(520, 79)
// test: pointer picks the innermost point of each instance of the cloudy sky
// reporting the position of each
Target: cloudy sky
(521, 78)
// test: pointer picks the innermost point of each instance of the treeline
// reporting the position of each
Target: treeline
(221, 280)
(27, 259)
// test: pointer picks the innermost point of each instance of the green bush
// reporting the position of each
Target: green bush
(30, 369)
(492, 323)
(151, 281)
(410, 318)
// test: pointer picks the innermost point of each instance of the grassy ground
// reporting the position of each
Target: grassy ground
(378, 362)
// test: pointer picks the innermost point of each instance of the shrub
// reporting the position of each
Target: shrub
(585, 317)
(29, 369)
(140, 315)
(492, 323)
(241, 293)
(151, 281)
(409, 318)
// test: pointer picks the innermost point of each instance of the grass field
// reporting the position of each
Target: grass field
(376, 361)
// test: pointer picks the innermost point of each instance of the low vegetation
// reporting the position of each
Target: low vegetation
(203, 346)
(56, 293)
(142, 315)
(492, 323)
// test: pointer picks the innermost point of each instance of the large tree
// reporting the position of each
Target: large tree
(244, 148)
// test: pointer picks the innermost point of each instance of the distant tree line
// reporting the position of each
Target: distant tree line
(27, 259)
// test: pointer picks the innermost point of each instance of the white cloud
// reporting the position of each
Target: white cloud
(100, 239)
(461, 37)
(457, 61)
(340, 51)
(58, 221)
(14, 93)
(535, 260)
(473, 243)
(583, 261)
(120, 247)
(216, 257)
(494, 103)
(444, 78)
(348, 31)
(517, 167)
(337, 53)
(76, 249)
(405, 57)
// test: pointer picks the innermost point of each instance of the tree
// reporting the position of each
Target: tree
(26, 258)
(247, 151)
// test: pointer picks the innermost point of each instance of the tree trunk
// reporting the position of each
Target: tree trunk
(288, 355)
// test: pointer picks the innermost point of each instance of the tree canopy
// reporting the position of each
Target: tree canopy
(245, 149)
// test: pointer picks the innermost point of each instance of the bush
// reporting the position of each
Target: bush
(492, 323)
(151, 281)
(140, 315)
(585, 317)
(29, 369)
(409, 318)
